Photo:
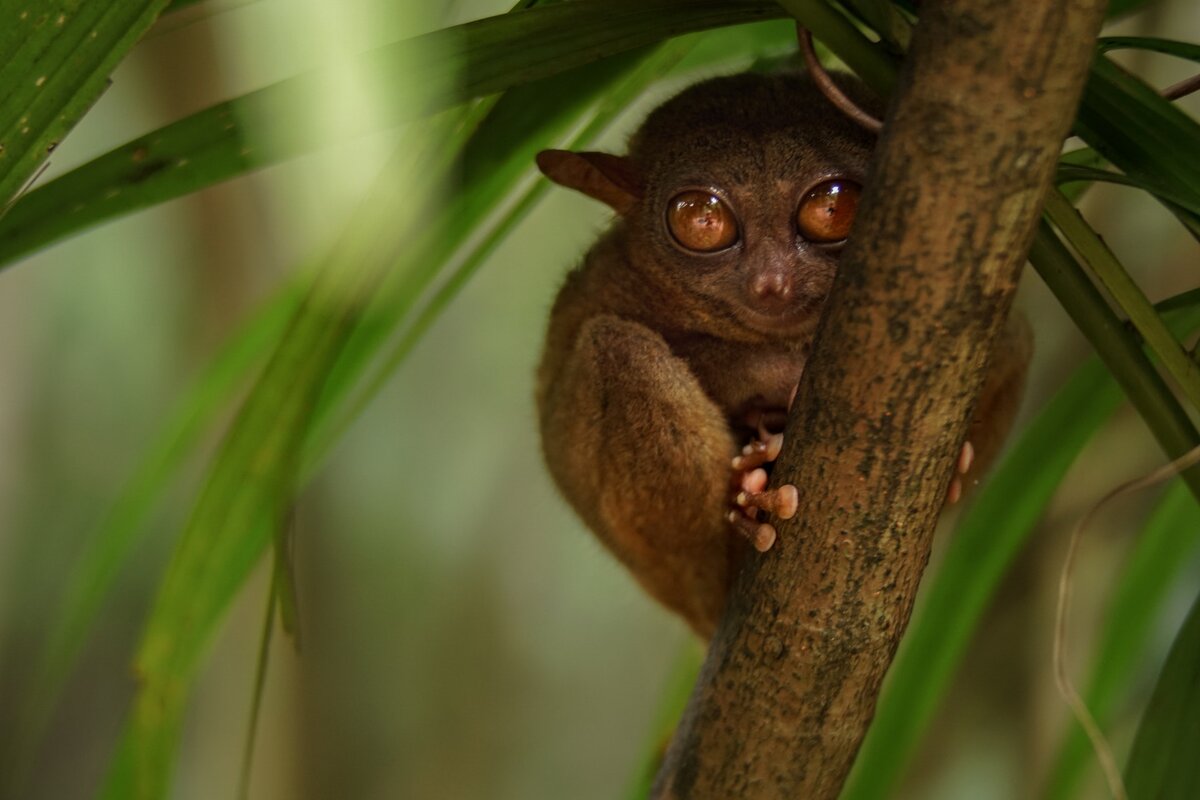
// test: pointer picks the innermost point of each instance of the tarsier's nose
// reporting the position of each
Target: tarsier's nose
(771, 285)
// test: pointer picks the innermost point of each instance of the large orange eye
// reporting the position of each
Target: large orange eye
(700, 222)
(827, 212)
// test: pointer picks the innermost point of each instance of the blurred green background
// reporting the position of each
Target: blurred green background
(462, 635)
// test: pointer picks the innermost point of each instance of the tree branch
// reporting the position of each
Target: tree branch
(792, 675)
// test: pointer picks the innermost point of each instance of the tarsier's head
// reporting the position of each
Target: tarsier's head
(738, 195)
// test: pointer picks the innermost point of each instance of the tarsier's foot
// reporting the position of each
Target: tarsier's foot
(966, 457)
(751, 497)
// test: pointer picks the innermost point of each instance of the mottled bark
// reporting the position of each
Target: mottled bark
(983, 104)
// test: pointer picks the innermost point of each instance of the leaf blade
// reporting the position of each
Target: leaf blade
(56, 60)
(1155, 561)
(1163, 763)
(217, 143)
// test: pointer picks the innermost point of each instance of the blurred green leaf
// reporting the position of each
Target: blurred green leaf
(667, 57)
(739, 45)
(1163, 764)
(524, 121)
(256, 471)
(110, 548)
(1169, 537)
(55, 59)
(482, 57)
(203, 578)
(671, 704)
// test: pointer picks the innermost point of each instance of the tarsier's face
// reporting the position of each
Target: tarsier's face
(751, 187)
(767, 258)
(740, 193)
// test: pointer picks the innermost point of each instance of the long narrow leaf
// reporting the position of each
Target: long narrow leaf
(225, 140)
(1117, 347)
(253, 476)
(206, 572)
(110, 549)
(1143, 134)
(516, 161)
(1154, 44)
(1073, 173)
(1170, 536)
(55, 58)
(1163, 763)
(1101, 261)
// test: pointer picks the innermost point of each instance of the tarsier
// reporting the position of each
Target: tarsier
(674, 350)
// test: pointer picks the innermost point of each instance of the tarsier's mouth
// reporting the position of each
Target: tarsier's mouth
(798, 316)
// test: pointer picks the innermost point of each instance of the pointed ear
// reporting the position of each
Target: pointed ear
(612, 180)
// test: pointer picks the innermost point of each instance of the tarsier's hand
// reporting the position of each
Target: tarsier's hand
(752, 500)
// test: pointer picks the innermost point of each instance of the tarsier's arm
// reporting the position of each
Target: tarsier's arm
(644, 457)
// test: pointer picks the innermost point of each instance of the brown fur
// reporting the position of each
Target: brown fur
(658, 361)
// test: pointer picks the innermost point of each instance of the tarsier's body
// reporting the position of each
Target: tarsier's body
(678, 343)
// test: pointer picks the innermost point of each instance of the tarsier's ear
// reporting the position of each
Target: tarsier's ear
(612, 180)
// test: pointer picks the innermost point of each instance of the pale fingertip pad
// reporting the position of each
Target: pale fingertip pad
(764, 538)
(788, 502)
(954, 493)
(966, 458)
(755, 480)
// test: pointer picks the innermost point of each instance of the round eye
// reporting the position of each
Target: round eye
(827, 212)
(700, 222)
